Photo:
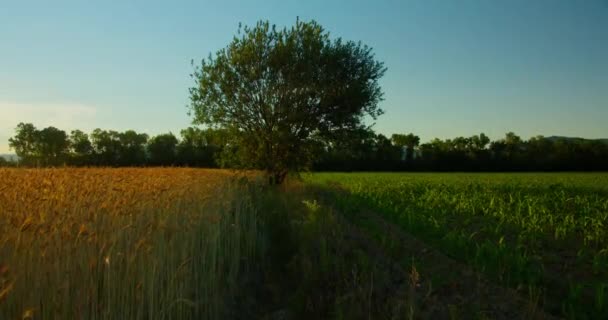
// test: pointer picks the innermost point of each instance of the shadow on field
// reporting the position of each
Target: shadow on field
(324, 259)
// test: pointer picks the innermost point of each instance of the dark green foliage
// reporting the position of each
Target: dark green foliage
(132, 148)
(408, 143)
(53, 146)
(275, 91)
(346, 150)
(405, 140)
(24, 142)
(200, 148)
(46, 147)
(107, 147)
(475, 153)
(112, 148)
(162, 150)
(80, 147)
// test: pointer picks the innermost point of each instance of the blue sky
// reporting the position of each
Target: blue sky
(454, 67)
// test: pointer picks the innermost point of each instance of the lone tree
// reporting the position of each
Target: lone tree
(278, 91)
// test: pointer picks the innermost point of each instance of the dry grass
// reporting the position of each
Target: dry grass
(122, 243)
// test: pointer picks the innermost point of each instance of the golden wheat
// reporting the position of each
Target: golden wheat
(119, 243)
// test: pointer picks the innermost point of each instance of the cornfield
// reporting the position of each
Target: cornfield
(122, 243)
(542, 233)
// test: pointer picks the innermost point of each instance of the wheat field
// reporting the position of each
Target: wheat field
(121, 243)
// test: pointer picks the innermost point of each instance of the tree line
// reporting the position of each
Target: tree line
(376, 152)
(54, 147)
(355, 150)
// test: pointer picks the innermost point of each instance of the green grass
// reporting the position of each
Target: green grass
(543, 231)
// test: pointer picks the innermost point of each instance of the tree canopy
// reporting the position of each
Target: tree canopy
(162, 149)
(278, 90)
(48, 146)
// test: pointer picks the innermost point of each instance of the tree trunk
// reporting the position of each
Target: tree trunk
(277, 177)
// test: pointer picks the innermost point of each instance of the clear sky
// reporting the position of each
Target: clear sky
(454, 67)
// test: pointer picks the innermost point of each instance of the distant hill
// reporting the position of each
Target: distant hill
(9, 157)
(555, 138)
